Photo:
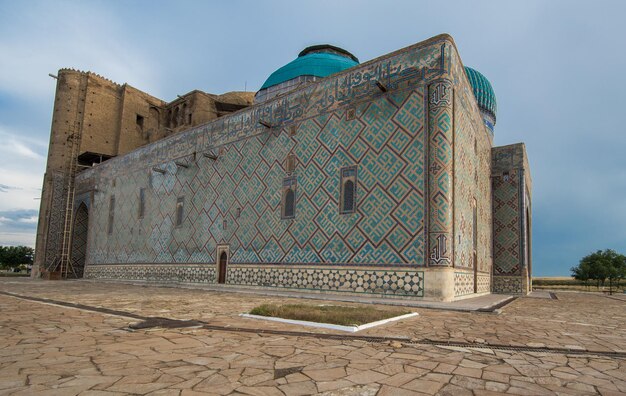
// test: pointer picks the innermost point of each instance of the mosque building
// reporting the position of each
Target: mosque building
(376, 178)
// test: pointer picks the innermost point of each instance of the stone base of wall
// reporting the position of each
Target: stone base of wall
(437, 284)
(508, 285)
(375, 281)
(161, 273)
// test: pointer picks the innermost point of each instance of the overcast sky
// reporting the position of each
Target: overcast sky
(557, 67)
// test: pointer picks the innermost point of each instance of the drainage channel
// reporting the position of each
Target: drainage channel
(147, 322)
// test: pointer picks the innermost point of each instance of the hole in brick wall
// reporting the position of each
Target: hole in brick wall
(139, 122)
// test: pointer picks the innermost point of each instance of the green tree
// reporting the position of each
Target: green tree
(14, 256)
(600, 266)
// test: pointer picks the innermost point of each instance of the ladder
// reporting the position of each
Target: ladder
(66, 266)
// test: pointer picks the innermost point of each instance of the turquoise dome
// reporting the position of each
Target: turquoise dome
(483, 91)
(318, 61)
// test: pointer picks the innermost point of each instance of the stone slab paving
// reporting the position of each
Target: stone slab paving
(483, 302)
(47, 349)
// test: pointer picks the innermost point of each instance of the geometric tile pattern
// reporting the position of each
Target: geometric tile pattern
(484, 283)
(236, 199)
(506, 217)
(200, 273)
(507, 284)
(54, 238)
(79, 241)
(331, 279)
(463, 283)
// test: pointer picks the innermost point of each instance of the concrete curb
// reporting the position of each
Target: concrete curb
(350, 329)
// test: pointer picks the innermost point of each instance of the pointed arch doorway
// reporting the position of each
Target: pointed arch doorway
(222, 263)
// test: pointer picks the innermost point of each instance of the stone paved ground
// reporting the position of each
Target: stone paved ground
(47, 349)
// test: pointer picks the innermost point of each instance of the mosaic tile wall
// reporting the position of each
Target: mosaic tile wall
(56, 221)
(237, 198)
(506, 223)
(472, 171)
(512, 187)
(341, 121)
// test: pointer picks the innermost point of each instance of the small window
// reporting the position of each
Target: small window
(140, 122)
(111, 214)
(289, 198)
(142, 202)
(347, 200)
(180, 211)
(189, 118)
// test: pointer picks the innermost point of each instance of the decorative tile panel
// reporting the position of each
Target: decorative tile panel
(484, 283)
(189, 273)
(463, 283)
(506, 226)
(404, 283)
(507, 284)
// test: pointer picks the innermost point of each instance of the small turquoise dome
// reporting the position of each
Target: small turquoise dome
(484, 94)
(318, 61)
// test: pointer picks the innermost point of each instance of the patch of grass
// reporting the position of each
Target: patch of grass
(333, 314)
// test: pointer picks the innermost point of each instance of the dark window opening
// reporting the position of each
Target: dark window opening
(189, 118)
(348, 196)
(142, 202)
(140, 122)
(290, 203)
(111, 214)
(347, 202)
(175, 118)
(180, 211)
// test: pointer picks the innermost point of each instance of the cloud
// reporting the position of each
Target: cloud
(22, 165)
(82, 35)
(15, 147)
(5, 188)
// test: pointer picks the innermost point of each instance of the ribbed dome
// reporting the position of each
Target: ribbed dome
(483, 91)
(318, 61)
